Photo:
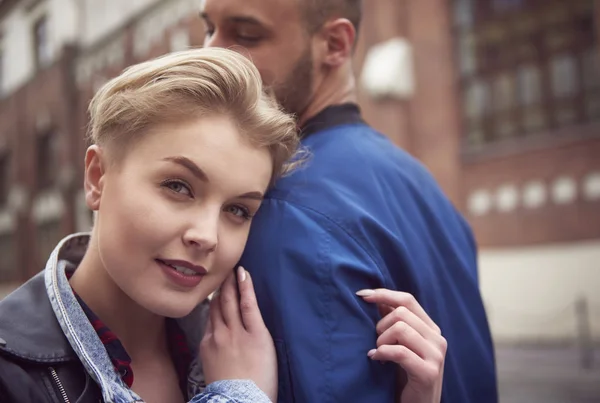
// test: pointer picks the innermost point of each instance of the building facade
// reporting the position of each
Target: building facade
(500, 99)
(505, 113)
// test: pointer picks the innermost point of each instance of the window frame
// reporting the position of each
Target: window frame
(485, 26)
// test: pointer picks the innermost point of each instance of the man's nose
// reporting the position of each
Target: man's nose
(216, 40)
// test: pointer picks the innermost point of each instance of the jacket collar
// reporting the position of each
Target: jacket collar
(57, 329)
(332, 116)
(38, 338)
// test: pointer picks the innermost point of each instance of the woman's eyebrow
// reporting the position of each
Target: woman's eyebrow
(190, 166)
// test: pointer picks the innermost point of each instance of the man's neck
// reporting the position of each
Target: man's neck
(335, 89)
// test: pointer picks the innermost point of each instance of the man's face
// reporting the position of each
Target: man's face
(272, 34)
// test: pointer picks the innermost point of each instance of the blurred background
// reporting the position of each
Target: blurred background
(500, 99)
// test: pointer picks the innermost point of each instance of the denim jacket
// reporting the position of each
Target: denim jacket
(31, 339)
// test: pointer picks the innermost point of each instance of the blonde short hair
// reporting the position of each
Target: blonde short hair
(188, 84)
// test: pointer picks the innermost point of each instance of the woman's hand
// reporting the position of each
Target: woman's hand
(408, 337)
(237, 344)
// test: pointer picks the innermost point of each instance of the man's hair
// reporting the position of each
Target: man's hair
(317, 12)
(190, 84)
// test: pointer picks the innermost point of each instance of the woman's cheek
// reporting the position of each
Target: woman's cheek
(231, 248)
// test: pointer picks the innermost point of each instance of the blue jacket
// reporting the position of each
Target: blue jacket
(363, 214)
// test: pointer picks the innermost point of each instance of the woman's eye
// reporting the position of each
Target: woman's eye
(239, 211)
(178, 187)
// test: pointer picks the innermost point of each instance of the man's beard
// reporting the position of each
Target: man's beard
(294, 93)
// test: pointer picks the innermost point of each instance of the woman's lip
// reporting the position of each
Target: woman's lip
(183, 263)
(182, 280)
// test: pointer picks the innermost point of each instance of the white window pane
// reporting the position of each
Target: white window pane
(463, 13)
(504, 92)
(563, 70)
(467, 55)
(529, 85)
(1, 71)
(477, 99)
(42, 43)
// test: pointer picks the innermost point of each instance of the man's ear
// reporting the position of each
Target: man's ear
(339, 36)
(94, 176)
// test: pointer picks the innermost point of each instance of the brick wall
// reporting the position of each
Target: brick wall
(429, 127)
(46, 103)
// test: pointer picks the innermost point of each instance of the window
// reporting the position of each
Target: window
(180, 40)
(2, 68)
(46, 162)
(526, 66)
(8, 264)
(48, 236)
(41, 43)
(4, 178)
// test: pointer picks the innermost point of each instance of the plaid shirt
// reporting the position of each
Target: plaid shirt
(180, 352)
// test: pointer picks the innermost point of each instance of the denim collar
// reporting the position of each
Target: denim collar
(57, 330)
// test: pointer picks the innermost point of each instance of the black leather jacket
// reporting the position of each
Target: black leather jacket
(37, 363)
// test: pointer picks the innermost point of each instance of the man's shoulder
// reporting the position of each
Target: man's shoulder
(354, 161)
(348, 152)
(354, 139)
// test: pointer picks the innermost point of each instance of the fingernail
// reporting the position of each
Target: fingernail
(371, 353)
(241, 274)
(365, 293)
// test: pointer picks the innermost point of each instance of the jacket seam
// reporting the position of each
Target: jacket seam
(338, 226)
(39, 360)
(326, 266)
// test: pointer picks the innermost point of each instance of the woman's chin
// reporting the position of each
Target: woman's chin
(171, 306)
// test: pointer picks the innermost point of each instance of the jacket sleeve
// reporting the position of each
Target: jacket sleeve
(233, 391)
(306, 270)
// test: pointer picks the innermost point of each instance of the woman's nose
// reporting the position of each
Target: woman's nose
(204, 233)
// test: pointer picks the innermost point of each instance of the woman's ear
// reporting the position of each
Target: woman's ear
(94, 177)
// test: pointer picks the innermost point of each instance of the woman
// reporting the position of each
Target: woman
(184, 148)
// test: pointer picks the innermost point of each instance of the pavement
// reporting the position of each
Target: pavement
(546, 375)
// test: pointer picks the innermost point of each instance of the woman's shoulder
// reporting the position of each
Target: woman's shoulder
(29, 330)
(18, 382)
(39, 382)
(31, 342)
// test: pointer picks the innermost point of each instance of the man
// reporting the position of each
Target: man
(361, 214)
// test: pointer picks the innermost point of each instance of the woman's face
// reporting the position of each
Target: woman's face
(174, 213)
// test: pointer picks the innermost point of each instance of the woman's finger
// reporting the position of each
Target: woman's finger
(425, 372)
(230, 304)
(208, 330)
(397, 299)
(402, 334)
(384, 310)
(251, 316)
(214, 311)
(403, 314)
